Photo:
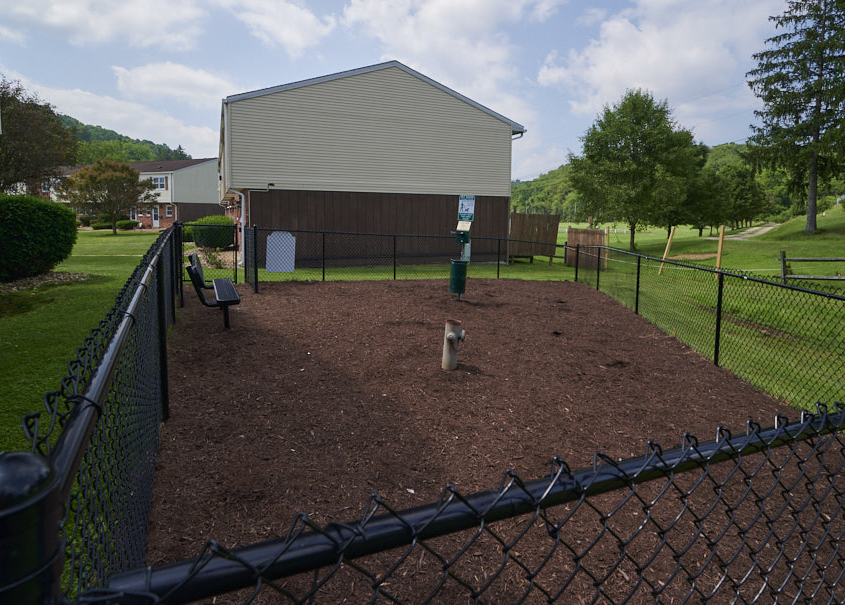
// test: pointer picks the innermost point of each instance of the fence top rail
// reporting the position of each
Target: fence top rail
(418, 235)
(816, 259)
(726, 272)
(308, 546)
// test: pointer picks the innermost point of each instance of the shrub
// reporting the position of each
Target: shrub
(37, 235)
(106, 218)
(187, 234)
(127, 225)
(85, 220)
(219, 234)
(99, 226)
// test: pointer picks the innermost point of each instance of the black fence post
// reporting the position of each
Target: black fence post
(577, 256)
(31, 548)
(783, 266)
(498, 255)
(179, 268)
(598, 266)
(162, 339)
(255, 258)
(394, 257)
(236, 239)
(324, 256)
(718, 320)
(637, 295)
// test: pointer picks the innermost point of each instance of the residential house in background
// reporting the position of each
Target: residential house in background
(186, 190)
(381, 149)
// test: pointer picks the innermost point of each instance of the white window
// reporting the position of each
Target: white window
(168, 211)
(148, 211)
(160, 182)
(132, 214)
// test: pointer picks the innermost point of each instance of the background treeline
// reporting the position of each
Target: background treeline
(728, 190)
(98, 143)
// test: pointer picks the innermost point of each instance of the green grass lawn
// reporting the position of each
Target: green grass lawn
(41, 329)
(759, 254)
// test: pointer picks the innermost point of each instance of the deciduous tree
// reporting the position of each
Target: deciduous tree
(636, 162)
(801, 80)
(108, 188)
(34, 143)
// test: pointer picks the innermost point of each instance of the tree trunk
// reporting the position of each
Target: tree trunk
(632, 227)
(700, 231)
(812, 193)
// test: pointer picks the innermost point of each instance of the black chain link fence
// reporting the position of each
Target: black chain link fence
(272, 255)
(752, 518)
(74, 511)
(756, 518)
(217, 247)
(787, 340)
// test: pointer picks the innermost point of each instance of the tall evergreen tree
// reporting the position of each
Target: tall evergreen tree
(801, 80)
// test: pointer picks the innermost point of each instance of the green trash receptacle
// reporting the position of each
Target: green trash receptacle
(458, 276)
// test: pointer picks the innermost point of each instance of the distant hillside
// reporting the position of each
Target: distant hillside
(98, 143)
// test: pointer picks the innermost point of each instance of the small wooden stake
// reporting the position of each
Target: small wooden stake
(719, 251)
(668, 247)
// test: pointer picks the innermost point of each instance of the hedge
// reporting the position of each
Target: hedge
(37, 234)
(127, 225)
(220, 233)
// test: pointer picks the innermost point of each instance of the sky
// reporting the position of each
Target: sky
(158, 69)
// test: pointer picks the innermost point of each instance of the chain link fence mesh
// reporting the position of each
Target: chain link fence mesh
(755, 518)
(787, 340)
(107, 503)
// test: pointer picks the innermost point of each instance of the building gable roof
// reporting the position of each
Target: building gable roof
(146, 167)
(516, 128)
(167, 165)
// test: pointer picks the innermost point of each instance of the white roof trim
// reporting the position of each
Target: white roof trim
(515, 126)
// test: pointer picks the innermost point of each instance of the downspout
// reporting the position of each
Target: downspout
(241, 220)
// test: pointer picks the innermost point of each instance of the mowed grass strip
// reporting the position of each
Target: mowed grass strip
(41, 329)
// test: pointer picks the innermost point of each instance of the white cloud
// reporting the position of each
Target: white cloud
(126, 117)
(678, 50)
(141, 23)
(282, 22)
(591, 16)
(11, 35)
(196, 87)
(460, 44)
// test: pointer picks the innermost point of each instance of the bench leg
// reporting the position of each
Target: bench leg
(225, 315)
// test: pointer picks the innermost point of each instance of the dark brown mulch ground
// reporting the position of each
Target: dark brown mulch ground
(323, 393)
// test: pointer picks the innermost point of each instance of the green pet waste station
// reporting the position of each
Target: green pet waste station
(458, 273)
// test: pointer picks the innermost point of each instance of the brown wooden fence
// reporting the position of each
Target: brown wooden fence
(588, 259)
(535, 228)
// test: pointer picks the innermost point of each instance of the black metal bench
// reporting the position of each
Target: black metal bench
(225, 293)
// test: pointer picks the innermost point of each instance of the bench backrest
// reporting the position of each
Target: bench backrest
(196, 280)
(197, 265)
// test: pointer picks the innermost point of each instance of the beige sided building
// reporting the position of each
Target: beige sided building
(378, 149)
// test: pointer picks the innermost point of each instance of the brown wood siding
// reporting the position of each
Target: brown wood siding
(191, 212)
(427, 214)
(381, 213)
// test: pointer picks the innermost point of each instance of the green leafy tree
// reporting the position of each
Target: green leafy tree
(746, 198)
(98, 143)
(636, 162)
(108, 188)
(801, 80)
(708, 200)
(34, 143)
